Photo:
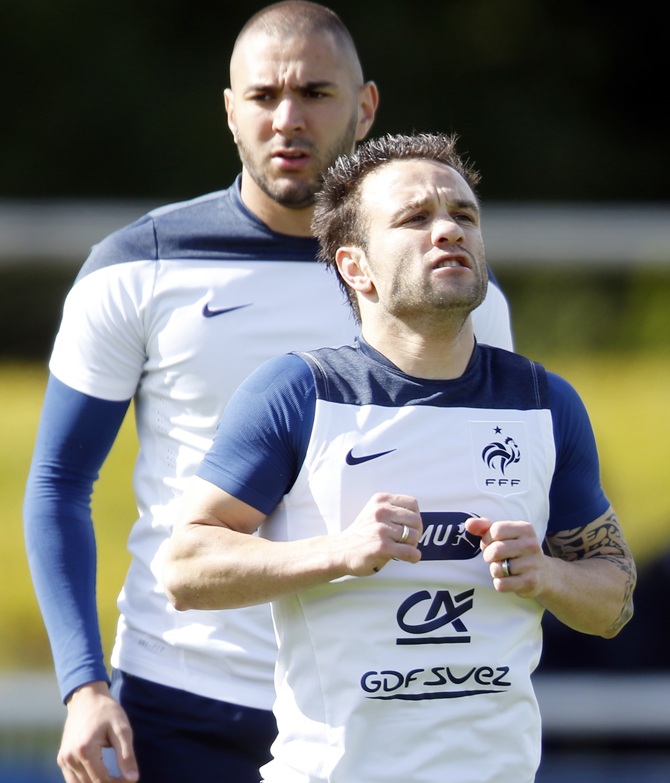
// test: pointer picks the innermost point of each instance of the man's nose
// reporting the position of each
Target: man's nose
(288, 116)
(446, 230)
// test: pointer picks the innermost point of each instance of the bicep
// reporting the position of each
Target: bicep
(203, 503)
(576, 495)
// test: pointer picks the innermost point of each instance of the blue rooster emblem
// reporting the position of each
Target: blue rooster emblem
(501, 455)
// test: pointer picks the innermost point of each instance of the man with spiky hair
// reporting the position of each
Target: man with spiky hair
(421, 500)
(173, 312)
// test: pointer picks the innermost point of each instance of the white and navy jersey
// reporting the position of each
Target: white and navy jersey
(422, 671)
(173, 311)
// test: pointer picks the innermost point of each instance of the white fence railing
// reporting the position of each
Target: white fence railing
(573, 704)
(516, 234)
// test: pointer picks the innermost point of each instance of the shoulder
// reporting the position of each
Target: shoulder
(344, 374)
(158, 233)
(281, 391)
(566, 403)
(509, 379)
(281, 374)
(562, 390)
(548, 389)
(214, 227)
(572, 426)
(278, 397)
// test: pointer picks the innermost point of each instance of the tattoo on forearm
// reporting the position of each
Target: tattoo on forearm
(603, 539)
(627, 606)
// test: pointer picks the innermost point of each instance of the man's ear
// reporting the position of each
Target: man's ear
(353, 266)
(230, 111)
(368, 100)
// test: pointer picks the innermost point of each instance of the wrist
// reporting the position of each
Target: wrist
(93, 688)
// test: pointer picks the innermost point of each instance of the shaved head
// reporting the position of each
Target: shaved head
(303, 19)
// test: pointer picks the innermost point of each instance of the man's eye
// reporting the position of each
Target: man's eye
(419, 217)
(464, 217)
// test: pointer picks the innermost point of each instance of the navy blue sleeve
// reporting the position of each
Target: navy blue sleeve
(262, 438)
(75, 435)
(576, 496)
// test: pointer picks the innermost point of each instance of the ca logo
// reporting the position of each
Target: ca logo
(422, 614)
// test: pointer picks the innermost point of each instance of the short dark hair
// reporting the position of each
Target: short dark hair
(298, 17)
(338, 218)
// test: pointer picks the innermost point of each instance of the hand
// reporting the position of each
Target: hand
(516, 544)
(376, 535)
(95, 721)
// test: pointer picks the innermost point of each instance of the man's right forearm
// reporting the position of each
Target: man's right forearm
(62, 561)
(212, 561)
(75, 435)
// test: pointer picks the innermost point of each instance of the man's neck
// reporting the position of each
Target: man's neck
(442, 354)
(294, 222)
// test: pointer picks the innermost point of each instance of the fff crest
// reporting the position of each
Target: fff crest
(501, 456)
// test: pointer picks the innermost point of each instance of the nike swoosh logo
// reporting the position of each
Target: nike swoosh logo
(351, 460)
(208, 313)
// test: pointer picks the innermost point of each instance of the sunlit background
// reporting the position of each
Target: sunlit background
(112, 108)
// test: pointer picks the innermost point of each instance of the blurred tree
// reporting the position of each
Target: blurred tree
(124, 99)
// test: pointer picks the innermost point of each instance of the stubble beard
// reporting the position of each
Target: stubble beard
(440, 309)
(293, 191)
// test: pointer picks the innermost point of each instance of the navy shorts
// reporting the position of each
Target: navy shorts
(179, 736)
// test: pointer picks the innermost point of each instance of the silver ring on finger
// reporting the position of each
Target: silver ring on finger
(405, 535)
(505, 568)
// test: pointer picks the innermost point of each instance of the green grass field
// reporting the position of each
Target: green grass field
(627, 397)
